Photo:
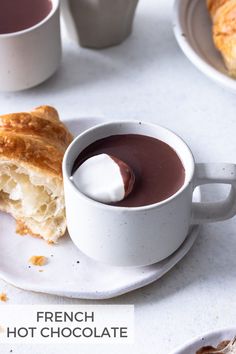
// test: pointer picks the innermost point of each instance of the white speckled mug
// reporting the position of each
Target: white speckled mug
(30, 56)
(142, 235)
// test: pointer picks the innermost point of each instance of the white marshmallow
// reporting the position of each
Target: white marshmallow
(99, 178)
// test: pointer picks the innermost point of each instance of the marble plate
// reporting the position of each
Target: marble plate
(69, 272)
(212, 338)
(192, 28)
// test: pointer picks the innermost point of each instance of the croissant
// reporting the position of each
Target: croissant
(223, 13)
(214, 5)
(32, 146)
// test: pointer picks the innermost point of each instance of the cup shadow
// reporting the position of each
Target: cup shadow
(151, 41)
(210, 261)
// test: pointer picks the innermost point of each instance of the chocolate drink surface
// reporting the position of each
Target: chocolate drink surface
(159, 172)
(18, 15)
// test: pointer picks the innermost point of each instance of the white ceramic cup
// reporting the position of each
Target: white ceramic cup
(145, 235)
(30, 56)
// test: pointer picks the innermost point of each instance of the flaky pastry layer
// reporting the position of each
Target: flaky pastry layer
(32, 146)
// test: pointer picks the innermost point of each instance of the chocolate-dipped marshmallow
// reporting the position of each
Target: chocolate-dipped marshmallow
(104, 178)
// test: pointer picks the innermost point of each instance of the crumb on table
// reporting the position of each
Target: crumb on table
(3, 297)
(38, 260)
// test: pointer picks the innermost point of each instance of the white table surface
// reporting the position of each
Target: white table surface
(148, 78)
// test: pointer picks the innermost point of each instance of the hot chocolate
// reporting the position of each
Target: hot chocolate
(17, 15)
(159, 172)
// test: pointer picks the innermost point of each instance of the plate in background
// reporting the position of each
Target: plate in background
(212, 338)
(192, 28)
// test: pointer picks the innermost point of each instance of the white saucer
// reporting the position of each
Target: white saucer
(64, 276)
(192, 27)
(212, 338)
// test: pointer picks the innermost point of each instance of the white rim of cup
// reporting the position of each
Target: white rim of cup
(67, 173)
(55, 5)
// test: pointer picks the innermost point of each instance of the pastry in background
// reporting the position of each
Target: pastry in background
(214, 5)
(223, 13)
(32, 147)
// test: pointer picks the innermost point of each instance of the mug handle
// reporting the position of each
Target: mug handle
(224, 173)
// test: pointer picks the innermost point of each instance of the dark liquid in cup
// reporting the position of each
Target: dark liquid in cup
(158, 170)
(17, 15)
